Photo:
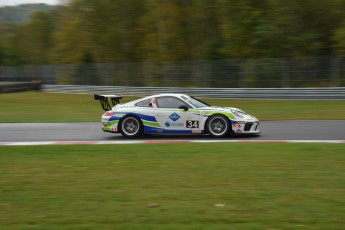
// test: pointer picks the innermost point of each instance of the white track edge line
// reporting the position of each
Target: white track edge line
(33, 143)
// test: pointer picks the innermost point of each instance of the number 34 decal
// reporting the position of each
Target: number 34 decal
(192, 124)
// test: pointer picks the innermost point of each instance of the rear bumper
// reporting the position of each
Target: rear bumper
(111, 127)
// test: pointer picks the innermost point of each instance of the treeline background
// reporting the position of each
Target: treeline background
(149, 31)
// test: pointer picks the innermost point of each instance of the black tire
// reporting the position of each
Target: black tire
(218, 126)
(131, 127)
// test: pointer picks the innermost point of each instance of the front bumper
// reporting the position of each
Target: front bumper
(245, 127)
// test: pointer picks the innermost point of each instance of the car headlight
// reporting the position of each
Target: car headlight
(237, 113)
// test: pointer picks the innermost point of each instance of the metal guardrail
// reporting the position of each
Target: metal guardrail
(19, 87)
(332, 93)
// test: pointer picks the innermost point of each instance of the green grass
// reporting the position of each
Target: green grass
(48, 107)
(52, 107)
(184, 186)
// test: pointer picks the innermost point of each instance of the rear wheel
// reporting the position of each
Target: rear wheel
(131, 127)
(218, 126)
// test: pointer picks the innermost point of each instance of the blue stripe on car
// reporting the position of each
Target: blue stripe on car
(113, 118)
(141, 116)
(149, 129)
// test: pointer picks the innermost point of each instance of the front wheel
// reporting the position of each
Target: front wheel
(131, 127)
(218, 126)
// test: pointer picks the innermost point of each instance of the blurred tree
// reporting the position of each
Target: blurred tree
(205, 30)
(166, 30)
(11, 53)
(244, 28)
(107, 30)
(36, 38)
(2, 46)
(115, 28)
(175, 30)
(339, 40)
(71, 37)
(276, 28)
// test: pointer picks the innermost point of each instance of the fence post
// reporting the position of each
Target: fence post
(243, 70)
(285, 75)
(335, 71)
(205, 74)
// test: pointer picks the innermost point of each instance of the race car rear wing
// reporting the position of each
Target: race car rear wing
(105, 102)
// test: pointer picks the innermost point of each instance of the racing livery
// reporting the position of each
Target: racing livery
(173, 113)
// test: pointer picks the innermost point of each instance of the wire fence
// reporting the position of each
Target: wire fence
(248, 73)
(321, 93)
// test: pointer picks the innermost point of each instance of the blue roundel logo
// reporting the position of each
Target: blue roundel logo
(174, 117)
(167, 124)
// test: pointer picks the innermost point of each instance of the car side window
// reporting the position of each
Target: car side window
(170, 102)
(145, 103)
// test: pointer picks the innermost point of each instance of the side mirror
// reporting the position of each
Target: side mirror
(185, 108)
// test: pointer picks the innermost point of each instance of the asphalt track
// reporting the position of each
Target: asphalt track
(91, 131)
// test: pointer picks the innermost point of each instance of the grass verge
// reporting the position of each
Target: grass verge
(184, 186)
(52, 107)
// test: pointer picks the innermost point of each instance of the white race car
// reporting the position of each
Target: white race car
(173, 113)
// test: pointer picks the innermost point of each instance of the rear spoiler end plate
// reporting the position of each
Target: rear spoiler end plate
(104, 99)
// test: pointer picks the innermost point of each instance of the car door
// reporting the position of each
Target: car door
(173, 114)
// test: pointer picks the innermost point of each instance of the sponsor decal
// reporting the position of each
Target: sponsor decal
(177, 124)
(174, 117)
(114, 129)
(168, 124)
(238, 131)
(236, 125)
(196, 131)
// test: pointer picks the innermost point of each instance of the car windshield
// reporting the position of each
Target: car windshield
(196, 102)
